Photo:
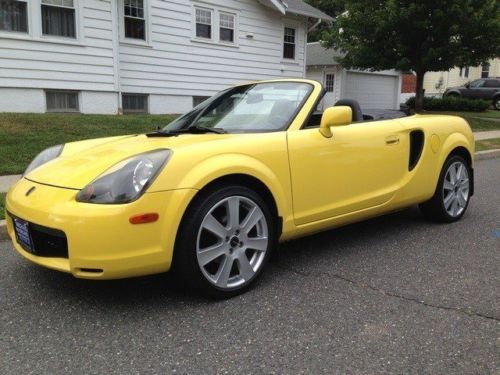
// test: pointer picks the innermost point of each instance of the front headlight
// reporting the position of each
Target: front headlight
(126, 181)
(44, 157)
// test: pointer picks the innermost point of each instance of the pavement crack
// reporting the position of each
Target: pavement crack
(390, 294)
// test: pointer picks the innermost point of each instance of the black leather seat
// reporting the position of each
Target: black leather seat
(357, 115)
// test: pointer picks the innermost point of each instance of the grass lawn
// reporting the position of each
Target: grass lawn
(2, 206)
(488, 144)
(23, 136)
(479, 121)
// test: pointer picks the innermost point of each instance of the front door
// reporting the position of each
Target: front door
(360, 167)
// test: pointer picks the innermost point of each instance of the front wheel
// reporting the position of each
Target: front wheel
(452, 195)
(224, 241)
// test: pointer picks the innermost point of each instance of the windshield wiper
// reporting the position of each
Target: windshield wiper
(188, 130)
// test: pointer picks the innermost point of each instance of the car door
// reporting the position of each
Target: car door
(476, 89)
(359, 167)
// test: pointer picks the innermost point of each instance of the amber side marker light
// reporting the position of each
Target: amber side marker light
(144, 218)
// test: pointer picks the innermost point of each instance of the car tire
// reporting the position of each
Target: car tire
(496, 103)
(453, 192)
(224, 241)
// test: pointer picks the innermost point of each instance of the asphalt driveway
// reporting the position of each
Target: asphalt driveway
(391, 295)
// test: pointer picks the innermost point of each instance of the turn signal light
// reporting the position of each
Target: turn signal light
(144, 218)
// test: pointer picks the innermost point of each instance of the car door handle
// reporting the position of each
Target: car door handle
(392, 140)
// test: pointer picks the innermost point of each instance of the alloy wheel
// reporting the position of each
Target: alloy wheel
(232, 242)
(456, 186)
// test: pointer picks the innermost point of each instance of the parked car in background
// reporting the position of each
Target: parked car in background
(484, 88)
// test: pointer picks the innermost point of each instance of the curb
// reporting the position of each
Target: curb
(481, 155)
(3, 231)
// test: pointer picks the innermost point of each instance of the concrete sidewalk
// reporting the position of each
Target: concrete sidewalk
(479, 136)
(7, 181)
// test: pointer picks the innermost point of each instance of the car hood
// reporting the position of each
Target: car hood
(81, 162)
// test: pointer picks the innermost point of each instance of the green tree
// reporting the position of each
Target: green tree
(417, 35)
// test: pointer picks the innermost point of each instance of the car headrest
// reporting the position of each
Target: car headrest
(357, 115)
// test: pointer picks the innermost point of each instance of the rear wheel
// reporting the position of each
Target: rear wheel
(452, 195)
(496, 103)
(224, 241)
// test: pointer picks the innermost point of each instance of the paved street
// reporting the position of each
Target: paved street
(391, 295)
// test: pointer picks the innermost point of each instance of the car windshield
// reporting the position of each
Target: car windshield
(259, 107)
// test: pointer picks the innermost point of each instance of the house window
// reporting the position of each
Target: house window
(135, 20)
(197, 100)
(226, 27)
(14, 16)
(135, 103)
(58, 18)
(464, 72)
(203, 23)
(329, 82)
(485, 70)
(289, 43)
(62, 101)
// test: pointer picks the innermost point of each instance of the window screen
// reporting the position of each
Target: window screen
(14, 15)
(62, 101)
(58, 18)
(203, 23)
(135, 21)
(135, 103)
(289, 43)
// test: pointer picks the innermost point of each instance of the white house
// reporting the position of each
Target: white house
(155, 56)
(381, 90)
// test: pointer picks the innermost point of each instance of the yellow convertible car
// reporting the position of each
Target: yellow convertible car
(210, 195)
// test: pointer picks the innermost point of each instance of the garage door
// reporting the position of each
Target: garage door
(372, 90)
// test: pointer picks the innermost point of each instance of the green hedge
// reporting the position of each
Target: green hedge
(451, 103)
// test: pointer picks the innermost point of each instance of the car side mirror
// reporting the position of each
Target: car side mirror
(467, 85)
(334, 116)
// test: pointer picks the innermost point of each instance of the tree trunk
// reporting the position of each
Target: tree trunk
(419, 97)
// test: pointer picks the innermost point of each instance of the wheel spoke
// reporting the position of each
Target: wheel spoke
(233, 212)
(464, 184)
(454, 207)
(213, 225)
(453, 174)
(211, 253)
(448, 185)
(252, 218)
(245, 268)
(222, 276)
(257, 243)
(448, 200)
(460, 171)
(462, 201)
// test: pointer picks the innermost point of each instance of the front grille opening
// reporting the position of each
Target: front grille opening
(48, 242)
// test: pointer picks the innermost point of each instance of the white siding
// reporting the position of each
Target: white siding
(170, 66)
(175, 64)
(85, 64)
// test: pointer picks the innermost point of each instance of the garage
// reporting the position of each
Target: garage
(372, 90)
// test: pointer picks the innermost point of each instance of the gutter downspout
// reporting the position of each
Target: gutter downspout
(318, 22)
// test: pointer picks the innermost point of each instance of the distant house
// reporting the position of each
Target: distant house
(371, 89)
(408, 86)
(144, 56)
(436, 83)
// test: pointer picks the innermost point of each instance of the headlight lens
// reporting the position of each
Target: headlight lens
(44, 157)
(126, 181)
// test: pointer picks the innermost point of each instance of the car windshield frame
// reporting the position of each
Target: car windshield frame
(190, 121)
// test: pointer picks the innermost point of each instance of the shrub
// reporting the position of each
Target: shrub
(451, 103)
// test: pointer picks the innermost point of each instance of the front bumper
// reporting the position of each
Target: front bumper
(102, 244)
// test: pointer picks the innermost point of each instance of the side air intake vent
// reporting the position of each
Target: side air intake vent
(416, 147)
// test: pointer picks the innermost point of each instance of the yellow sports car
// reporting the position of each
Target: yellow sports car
(211, 194)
